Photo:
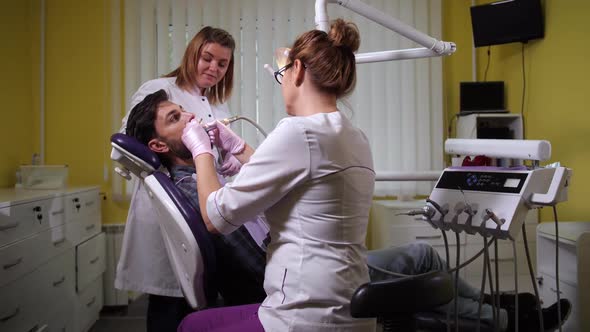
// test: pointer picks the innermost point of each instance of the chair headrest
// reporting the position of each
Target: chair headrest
(133, 155)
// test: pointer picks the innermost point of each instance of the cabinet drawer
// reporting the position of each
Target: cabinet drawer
(548, 293)
(568, 265)
(90, 261)
(17, 309)
(531, 234)
(83, 228)
(20, 258)
(409, 234)
(505, 259)
(88, 305)
(24, 256)
(82, 204)
(56, 282)
(21, 220)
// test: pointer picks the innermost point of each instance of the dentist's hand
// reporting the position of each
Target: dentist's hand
(230, 166)
(195, 139)
(223, 137)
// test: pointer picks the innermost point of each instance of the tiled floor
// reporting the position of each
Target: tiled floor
(123, 319)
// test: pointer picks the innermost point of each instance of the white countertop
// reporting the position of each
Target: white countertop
(568, 230)
(13, 196)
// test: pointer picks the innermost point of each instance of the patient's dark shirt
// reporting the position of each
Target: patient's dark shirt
(240, 261)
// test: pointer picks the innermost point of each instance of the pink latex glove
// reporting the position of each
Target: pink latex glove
(230, 166)
(223, 137)
(195, 139)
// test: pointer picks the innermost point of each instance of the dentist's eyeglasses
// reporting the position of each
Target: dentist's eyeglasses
(279, 73)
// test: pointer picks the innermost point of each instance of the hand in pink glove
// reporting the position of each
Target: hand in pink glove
(195, 139)
(223, 137)
(230, 166)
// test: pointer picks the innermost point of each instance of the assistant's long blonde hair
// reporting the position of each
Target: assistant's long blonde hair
(186, 73)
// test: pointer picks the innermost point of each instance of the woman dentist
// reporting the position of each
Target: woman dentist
(201, 84)
(313, 178)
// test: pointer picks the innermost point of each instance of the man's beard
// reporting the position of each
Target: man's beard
(179, 150)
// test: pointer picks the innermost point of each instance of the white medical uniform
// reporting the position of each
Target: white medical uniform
(143, 264)
(313, 176)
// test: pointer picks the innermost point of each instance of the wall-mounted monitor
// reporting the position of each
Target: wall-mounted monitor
(508, 21)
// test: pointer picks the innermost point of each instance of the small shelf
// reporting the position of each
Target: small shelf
(490, 125)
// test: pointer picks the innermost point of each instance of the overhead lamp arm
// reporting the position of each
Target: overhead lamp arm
(432, 46)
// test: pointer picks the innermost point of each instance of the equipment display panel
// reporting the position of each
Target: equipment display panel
(501, 182)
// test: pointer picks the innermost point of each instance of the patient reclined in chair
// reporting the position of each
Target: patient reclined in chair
(194, 253)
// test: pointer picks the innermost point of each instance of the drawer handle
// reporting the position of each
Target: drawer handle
(91, 302)
(57, 243)
(89, 203)
(431, 237)
(502, 259)
(89, 227)
(37, 329)
(59, 282)
(8, 226)
(55, 213)
(95, 260)
(555, 290)
(16, 311)
(10, 265)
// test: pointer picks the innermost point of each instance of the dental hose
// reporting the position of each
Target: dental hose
(235, 118)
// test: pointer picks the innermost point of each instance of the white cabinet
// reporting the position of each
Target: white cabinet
(573, 249)
(490, 125)
(52, 258)
(506, 259)
(389, 229)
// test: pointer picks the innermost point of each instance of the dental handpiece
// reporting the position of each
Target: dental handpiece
(235, 118)
(225, 121)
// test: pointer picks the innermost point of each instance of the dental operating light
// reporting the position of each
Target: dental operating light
(432, 46)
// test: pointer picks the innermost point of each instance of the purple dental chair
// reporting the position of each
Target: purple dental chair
(188, 244)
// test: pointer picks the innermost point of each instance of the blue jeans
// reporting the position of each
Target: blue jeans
(421, 258)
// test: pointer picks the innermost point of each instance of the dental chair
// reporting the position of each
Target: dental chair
(188, 245)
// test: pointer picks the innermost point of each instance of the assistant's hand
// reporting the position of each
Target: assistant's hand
(195, 139)
(230, 166)
(223, 137)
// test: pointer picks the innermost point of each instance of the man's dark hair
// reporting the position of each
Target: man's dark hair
(140, 123)
(142, 118)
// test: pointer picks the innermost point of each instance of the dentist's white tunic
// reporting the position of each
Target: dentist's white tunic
(313, 176)
(143, 264)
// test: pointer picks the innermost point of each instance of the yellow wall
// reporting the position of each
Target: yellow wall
(18, 33)
(557, 98)
(77, 96)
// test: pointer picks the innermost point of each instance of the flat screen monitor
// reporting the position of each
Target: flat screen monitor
(507, 21)
(482, 97)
